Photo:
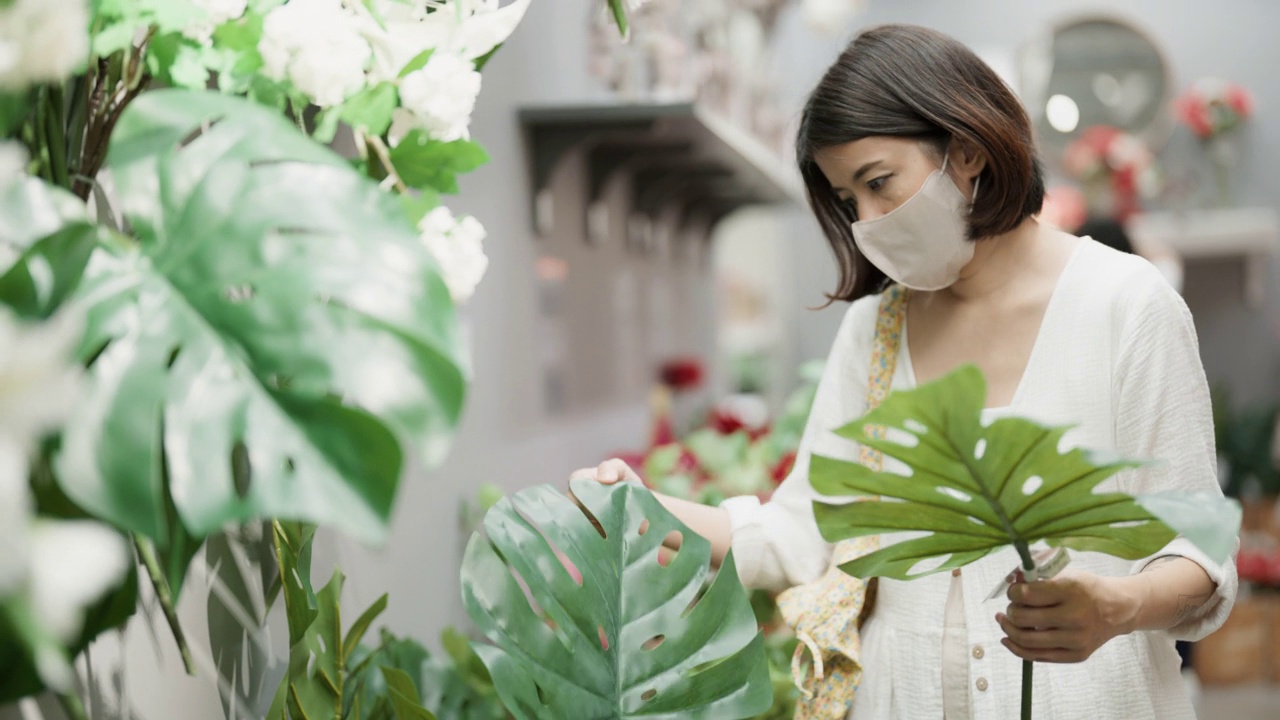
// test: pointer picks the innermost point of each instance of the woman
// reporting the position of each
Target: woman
(920, 166)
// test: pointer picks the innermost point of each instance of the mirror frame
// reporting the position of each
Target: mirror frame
(1034, 90)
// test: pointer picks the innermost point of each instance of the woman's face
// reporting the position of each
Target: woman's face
(876, 174)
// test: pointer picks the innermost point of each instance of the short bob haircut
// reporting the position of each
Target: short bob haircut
(909, 81)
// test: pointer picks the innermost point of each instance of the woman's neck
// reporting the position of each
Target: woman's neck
(998, 261)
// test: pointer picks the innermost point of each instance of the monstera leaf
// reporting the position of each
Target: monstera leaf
(976, 488)
(631, 638)
(273, 339)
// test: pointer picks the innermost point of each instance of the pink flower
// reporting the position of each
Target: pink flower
(1239, 100)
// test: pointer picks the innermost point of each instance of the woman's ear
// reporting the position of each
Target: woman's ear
(967, 159)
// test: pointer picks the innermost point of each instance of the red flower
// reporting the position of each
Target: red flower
(725, 423)
(783, 468)
(681, 373)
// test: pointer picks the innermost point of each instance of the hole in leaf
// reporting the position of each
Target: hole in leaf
(173, 358)
(653, 642)
(528, 596)
(297, 579)
(928, 565)
(594, 522)
(241, 469)
(311, 665)
(981, 449)
(644, 527)
(957, 494)
(670, 548)
(901, 437)
(915, 426)
(565, 562)
(975, 520)
(694, 602)
(320, 642)
(604, 639)
(279, 382)
(238, 293)
(1130, 523)
(1032, 484)
(649, 695)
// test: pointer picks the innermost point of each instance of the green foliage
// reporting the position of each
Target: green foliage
(619, 10)
(625, 637)
(425, 163)
(1245, 440)
(977, 487)
(230, 352)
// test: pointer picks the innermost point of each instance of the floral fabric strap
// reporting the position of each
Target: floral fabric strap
(826, 613)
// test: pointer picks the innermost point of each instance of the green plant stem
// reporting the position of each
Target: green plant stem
(41, 152)
(1028, 564)
(384, 156)
(1027, 666)
(147, 552)
(72, 706)
(56, 135)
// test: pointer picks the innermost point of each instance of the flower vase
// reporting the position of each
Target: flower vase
(1222, 156)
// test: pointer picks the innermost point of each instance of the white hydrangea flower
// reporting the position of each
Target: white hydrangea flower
(73, 563)
(57, 568)
(468, 28)
(316, 45)
(39, 384)
(458, 246)
(217, 12)
(15, 515)
(831, 16)
(42, 41)
(442, 95)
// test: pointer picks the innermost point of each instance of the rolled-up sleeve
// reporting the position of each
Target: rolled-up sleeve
(1163, 412)
(777, 544)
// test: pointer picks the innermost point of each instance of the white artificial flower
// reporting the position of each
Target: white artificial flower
(442, 95)
(317, 46)
(458, 246)
(831, 16)
(216, 12)
(73, 563)
(56, 568)
(13, 163)
(42, 41)
(39, 380)
(15, 515)
(468, 28)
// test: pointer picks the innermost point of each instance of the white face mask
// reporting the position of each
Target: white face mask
(923, 243)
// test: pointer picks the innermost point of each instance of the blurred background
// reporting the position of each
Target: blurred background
(653, 267)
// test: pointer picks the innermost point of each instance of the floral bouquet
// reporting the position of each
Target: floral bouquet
(1214, 109)
(1211, 106)
(1105, 158)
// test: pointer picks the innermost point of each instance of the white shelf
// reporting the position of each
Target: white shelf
(1251, 235)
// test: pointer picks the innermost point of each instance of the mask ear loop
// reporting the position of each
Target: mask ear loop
(972, 198)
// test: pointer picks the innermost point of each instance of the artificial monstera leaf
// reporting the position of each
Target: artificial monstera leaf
(630, 638)
(977, 487)
(269, 345)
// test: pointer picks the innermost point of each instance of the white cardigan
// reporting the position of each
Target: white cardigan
(1117, 356)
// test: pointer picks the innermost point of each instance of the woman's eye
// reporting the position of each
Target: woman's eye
(877, 183)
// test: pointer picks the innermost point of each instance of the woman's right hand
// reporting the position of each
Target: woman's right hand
(608, 473)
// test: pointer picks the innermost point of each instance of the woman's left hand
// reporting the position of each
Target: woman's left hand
(1067, 618)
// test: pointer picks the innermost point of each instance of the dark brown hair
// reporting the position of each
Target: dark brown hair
(909, 81)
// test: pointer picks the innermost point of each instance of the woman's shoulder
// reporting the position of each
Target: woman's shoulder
(1127, 287)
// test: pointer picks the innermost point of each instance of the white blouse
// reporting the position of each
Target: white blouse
(1117, 357)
